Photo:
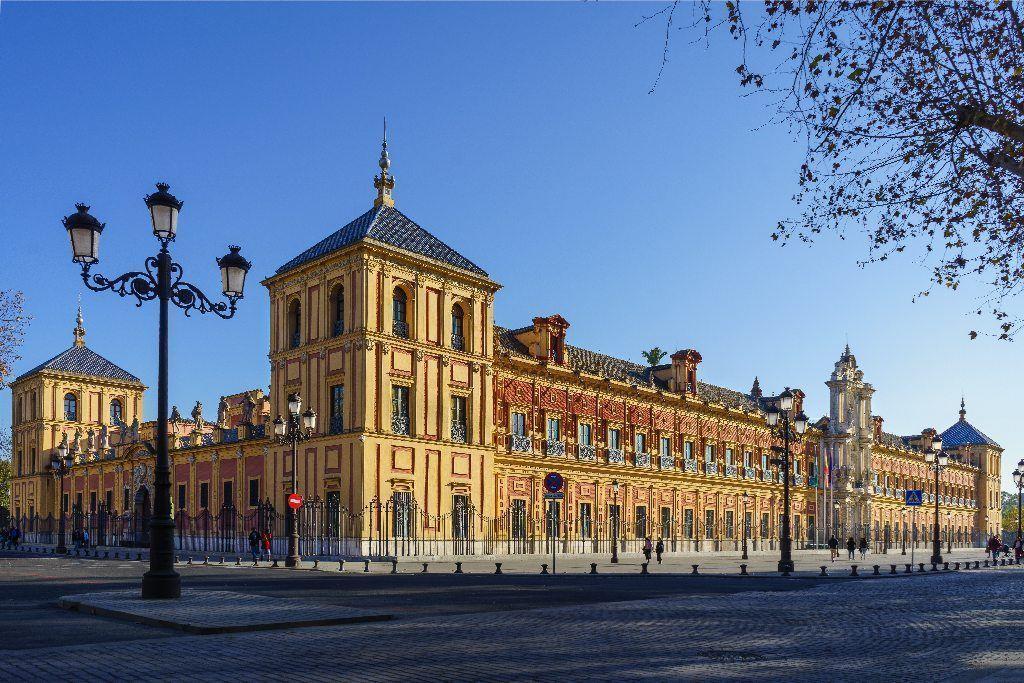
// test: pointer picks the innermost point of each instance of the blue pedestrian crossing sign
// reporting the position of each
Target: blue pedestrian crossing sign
(914, 496)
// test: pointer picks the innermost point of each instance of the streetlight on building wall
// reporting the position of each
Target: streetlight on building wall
(615, 521)
(746, 527)
(778, 418)
(61, 466)
(298, 427)
(161, 280)
(936, 460)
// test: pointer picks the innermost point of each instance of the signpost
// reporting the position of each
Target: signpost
(553, 483)
(914, 499)
(294, 501)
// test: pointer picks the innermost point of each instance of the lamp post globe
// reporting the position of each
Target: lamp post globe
(233, 269)
(163, 211)
(84, 231)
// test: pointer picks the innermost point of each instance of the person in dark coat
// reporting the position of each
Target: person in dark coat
(833, 546)
(254, 545)
(863, 546)
(851, 547)
(659, 549)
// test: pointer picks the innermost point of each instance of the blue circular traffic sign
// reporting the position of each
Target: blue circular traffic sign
(553, 482)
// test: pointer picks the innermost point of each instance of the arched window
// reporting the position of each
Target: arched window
(70, 407)
(458, 329)
(338, 310)
(294, 324)
(399, 307)
(116, 411)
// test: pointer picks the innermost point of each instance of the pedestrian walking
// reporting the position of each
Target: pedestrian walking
(15, 536)
(863, 546)
(1018, 549)
(833, 546)
(254, 545)
(994, 544)
(659, 549)
(85, 538)
(648, 547)
(851, 547)
(267, 538)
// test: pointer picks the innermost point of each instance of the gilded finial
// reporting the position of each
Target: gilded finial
(79, 325)
(963, 410)
(385, 182)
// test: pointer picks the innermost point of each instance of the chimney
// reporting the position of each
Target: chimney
(876, 423)
(684, 371)
(549, 339)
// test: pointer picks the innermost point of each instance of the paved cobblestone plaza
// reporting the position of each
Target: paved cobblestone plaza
(811, 630)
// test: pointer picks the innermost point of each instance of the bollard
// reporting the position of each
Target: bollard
(643, 568)
(986, 563)
(238, 561)
(743, 570)
(945, 566)
(316, 563)
(824, 570)
(935, 567)
(694, 572)
(106, 554)
(275, 565)
(424, 568)
(920, 566)
(875, 573)
(956, 566)
(394, 566)
(543, 569)
(853, 570)
(458, 567)
(341, 565)
(189, 560)
(497, 567)
(977, 564)
(177, 559)
(256, 562)
(892, 569)
(222, 559)
(908, 569)
(366, 566)
(593, 567)
(206, 559)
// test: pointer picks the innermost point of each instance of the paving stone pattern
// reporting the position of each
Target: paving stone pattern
(948, 625)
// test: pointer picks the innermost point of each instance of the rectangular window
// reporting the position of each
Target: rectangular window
(709, 524)
(666, 522)
(640, 443)
(728, 456)
(337, 425)
(459, 419)
(400, 410)
(402, 514)
(519, 424)
(228, 497)
(730, 525)
(92, 501)
(460, 516)
(554, 429)
(687, 523)
(748, 520)
(613, 438)
(182, 500)
(65, 500)
(688, 450)
(764, 462)
(127, 500)
(254, 492)
(748, 458)
(614, 516)
(109, 502)
(78, 502)
(665, 446)
(204, 495)
(586, 434)
(709, 453)
(765, 525)
(586, 520)
(641, 521)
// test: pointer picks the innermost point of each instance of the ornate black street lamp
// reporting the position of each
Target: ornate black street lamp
(615, 522)
(746, 527)
(778, 418)
(160, 280)
(60, 466)
(298, 427)
(903, 529)
(936, 460)
(949, 532)
(1018, 479)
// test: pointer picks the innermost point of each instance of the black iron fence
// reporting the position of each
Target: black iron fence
(399, 527)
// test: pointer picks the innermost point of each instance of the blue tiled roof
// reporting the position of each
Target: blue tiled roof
(389, 225)
(963, 433)
(81, 360)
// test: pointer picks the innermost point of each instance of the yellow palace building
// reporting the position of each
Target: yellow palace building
(436, 429)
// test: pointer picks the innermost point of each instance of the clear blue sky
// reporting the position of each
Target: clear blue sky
(522, 134)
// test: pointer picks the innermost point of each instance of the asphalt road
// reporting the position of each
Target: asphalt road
(30, 586)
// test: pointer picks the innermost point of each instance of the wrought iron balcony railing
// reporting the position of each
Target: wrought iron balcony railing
(642, 459)
(731, 471)
(690, 465)
(666, 462)
(400, 328)
(295, 340)
(798, 480)
(337, 425)
(339, 328)
(615, 456)
(400, 424)
(750, 473)
(458, 342)
(458, 432)
(766, 475)
(520, 443)
(554, 448)
(586, 452)
(711, 468)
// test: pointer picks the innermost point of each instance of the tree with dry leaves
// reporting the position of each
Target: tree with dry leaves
(13, 322)
(913, 119)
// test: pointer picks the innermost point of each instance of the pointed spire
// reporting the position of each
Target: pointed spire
(79, 329)
(755, 391)
(385, 182)
(963, 410)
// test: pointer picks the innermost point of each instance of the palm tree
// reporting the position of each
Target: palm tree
(653, 356)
